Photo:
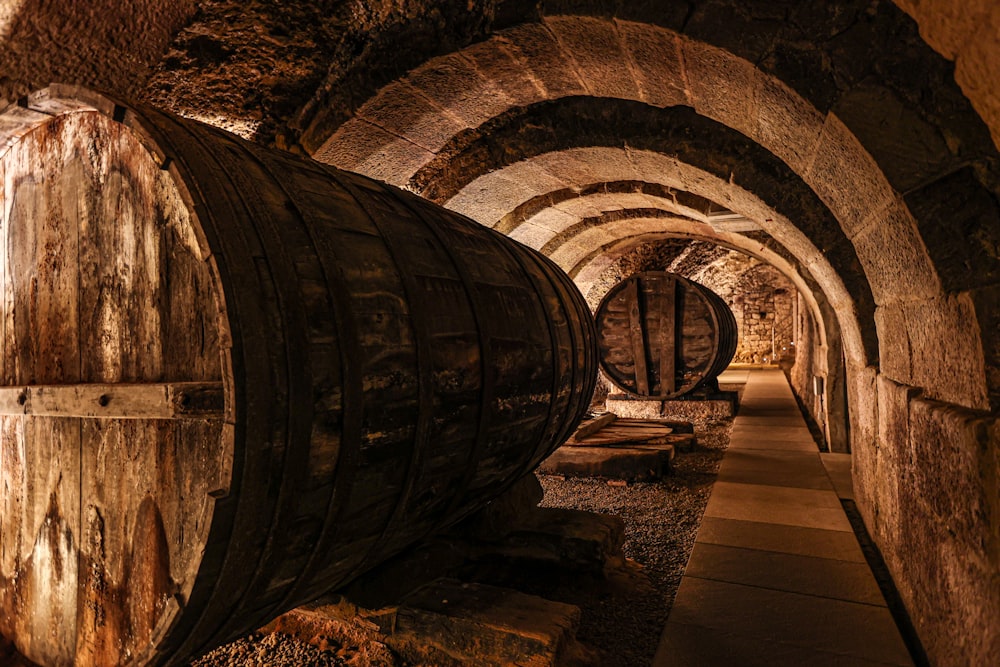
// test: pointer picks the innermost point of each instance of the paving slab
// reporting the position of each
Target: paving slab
(748, 415)
(810, 508)
(691, 645)
(780, 419)
(861, 631)
(741, 440)
(773, 399)
(776, 432)
(798, 540)
(823, 577)
(734, 376)
(798, 469)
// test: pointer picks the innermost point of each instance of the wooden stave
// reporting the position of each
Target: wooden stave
(728, 334)
(724, 327)
(259, 397)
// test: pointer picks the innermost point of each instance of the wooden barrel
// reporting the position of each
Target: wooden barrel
(233, 379)
(661, 336)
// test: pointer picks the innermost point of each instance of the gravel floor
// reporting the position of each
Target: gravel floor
(273, 650)
(661, 521)
(621, 620)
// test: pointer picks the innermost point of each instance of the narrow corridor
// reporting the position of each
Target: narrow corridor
(777, 576)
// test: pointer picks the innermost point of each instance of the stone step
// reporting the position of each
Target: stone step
(632, 463)
(718, 405)
(450, 623)
(572, 540)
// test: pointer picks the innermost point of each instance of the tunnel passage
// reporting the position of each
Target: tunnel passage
(799, 152)
(852, 96)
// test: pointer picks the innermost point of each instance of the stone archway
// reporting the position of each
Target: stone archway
(428, 124)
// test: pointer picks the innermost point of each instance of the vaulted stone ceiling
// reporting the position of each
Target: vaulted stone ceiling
(840, 142)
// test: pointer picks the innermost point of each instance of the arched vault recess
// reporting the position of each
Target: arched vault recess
(413, 124)
(583, 238)
(490, 195)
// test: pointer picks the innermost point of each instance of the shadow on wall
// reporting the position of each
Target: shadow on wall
(95, 43)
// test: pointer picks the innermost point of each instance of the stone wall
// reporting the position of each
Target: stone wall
(98, 43)
(763, 304)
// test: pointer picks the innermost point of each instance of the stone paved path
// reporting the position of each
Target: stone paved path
(777, 577)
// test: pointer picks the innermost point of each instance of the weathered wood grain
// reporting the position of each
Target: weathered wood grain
(177, 400)
(660, 335)
(594, 425)
(100, 288)
(666, 307)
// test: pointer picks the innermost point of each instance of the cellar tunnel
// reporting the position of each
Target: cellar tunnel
(844, 153)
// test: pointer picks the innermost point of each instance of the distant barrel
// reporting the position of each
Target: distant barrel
(234, 379)
(661, 336)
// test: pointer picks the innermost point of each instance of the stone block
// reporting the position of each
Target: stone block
(654, 167)
(636, 464)
(493, 195)
(947, 352)
(722, 407)
(454, 84)
(894, 354)
(590, 165)
(596, 48)
(959, 220)
(447, 623)
(568, 539)
(894, 257)
(955, 472)
(656, 56)
(894, 457)
(570, 253)
(947, 588)
(555, 218)
(910, 150)
(722, 86)
(497, 63)
(532, 235)
(367, 149)
(401, 110)
(846, 177)
(862, 399)
(539, 52)
(486, 625)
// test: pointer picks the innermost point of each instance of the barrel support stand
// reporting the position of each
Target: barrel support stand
(465, 596)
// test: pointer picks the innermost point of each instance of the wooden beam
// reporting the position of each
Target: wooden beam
(593, 426)
(171, 400)
(635, 330)
(668, 338)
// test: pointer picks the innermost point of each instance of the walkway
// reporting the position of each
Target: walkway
(777, 577)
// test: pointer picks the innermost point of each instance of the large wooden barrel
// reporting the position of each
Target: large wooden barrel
(234, 379)
(660, 335)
